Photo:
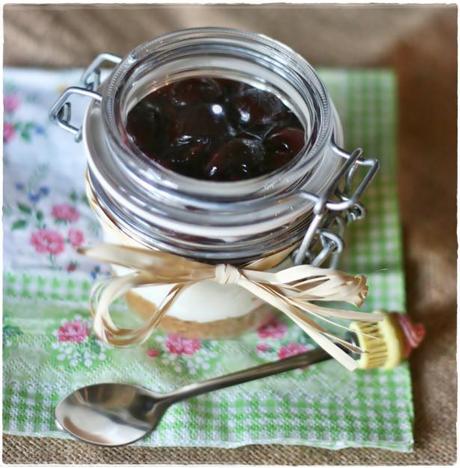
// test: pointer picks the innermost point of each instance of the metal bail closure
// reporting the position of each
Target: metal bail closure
(61, 112)
(91, 78)
(336, 207)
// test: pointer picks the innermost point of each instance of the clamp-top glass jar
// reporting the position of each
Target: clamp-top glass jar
(304, 203)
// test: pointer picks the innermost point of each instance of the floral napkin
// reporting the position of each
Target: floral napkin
(49, 349)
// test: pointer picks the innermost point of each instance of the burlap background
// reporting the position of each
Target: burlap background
(419, 42)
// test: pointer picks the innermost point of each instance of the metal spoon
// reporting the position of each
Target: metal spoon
(113, 414)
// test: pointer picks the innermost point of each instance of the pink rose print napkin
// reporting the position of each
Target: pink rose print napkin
(48, 345)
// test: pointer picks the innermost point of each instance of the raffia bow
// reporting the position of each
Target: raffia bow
(291, 291)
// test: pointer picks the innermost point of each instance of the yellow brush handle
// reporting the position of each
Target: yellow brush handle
(388, 342)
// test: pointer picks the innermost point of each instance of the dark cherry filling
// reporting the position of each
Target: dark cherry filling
(215, 129)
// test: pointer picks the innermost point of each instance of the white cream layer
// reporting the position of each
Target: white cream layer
(203, 302)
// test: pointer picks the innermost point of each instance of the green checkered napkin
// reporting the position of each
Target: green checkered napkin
(48, 350)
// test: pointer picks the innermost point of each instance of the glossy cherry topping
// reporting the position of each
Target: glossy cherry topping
(215, 129)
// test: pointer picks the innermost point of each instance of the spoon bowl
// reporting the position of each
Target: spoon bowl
(110, 414)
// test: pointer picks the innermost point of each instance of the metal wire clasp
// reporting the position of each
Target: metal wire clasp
(61, 111)
(334, 209)
(91, 77)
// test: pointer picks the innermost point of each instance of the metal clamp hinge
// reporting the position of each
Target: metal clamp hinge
(337, 206)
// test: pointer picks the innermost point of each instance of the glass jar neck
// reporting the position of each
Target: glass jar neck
(214, 220)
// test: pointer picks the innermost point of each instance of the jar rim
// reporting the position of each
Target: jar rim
(172, 182)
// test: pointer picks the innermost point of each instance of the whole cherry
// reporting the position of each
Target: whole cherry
(195, 91)
(237, 159)
(282, 144)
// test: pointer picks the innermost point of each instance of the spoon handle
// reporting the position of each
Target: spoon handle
(247, 375)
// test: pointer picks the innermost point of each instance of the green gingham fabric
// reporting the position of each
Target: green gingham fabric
(47, 345)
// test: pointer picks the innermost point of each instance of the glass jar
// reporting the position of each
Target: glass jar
(305, 204)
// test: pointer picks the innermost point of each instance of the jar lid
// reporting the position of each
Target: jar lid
(213, 221)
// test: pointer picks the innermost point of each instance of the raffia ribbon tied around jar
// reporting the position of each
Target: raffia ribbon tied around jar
(295, 291)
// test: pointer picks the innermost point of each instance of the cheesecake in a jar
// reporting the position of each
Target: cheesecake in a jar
(220, 146)
(219, 130)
